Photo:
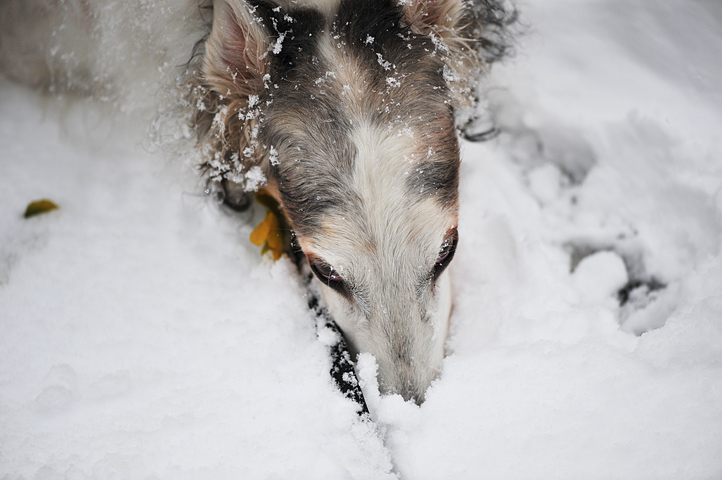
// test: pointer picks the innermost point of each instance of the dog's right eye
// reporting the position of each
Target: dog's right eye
(327, 274)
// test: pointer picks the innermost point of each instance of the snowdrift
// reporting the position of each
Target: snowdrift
(142, 335)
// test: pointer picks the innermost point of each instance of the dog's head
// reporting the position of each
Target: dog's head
(347, 107)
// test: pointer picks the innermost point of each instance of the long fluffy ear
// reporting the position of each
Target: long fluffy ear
(235, 61)
(445, 22)
(481, 24)
(468, 35)
(427, 16)
(227, 96)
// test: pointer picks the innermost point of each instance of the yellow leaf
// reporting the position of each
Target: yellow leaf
(270, 234)
(39, 206)
(259, 235)
(275, 240)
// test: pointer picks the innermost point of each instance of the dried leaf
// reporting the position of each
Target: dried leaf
(259, 235)
(39, 207)
(272, 234)
(269, 235)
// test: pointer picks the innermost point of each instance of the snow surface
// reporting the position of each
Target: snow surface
(142, 336)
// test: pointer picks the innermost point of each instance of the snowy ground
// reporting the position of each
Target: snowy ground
(142, 336)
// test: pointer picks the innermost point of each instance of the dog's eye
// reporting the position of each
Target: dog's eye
(446, 253)
(327, 274)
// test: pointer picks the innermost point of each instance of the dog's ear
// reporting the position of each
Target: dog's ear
(433, 16)
(226, 98)
(446, 22)
(236, 51)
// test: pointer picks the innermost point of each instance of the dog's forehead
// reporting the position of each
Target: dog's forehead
(397, 239)
(379, 211)
(354, 119)
(364, 172)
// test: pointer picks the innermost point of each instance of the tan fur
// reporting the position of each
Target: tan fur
(233, 70)
(444, 20)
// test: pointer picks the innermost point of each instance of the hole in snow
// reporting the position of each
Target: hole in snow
(643, 300)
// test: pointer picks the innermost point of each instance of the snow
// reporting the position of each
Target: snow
(143, 336)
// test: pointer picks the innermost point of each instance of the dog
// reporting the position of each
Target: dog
(346, 112)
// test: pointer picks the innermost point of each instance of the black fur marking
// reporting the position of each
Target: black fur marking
(439, 179)
(373, 28)
(296, 31)
(438, 176)
(342, 365)
(379, 19)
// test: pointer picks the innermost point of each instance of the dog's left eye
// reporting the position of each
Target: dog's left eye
(446, 253)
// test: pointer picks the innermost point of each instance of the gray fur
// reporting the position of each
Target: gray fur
(351, 110)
